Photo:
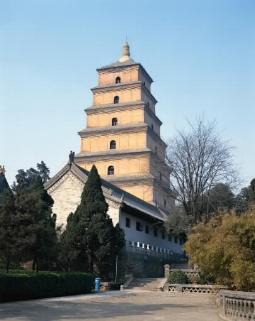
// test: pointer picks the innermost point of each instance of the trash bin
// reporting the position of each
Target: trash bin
(97, 284)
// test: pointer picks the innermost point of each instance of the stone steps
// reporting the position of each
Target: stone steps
(150, 284)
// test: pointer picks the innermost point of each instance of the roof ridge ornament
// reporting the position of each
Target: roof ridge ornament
(2, 170)
(71, 157)
(125, 53)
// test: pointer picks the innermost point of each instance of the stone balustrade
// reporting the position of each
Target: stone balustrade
(193, 288)
(149, 249)
(236, 305)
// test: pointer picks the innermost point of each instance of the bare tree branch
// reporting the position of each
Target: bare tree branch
(199, 160)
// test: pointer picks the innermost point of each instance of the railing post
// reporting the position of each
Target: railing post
(166, 270)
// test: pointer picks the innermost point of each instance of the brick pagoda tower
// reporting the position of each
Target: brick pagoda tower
(122, 137)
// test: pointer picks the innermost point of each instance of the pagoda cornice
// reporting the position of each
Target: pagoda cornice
(134, 128)
(123, 86)
(120, 66)
(130, 179)
(97, 109)
(111, 154)
(131, 84)
(137, 127)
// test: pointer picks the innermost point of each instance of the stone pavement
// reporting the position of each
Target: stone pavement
(122, 306)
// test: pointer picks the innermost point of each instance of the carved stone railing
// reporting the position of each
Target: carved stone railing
(237, 305)
(193, 288)
(151, 250)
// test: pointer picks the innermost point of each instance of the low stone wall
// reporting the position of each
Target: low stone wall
(236, 305)
(193, 288)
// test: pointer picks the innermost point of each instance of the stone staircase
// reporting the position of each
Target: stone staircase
(148, 284)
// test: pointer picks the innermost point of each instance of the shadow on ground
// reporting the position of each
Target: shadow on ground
(132, 306)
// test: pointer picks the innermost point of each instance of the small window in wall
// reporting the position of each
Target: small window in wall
(155, 232)
(175, 239)
(110, 170)
(117, 80)
(164, 203)
(152, 126)
(160, 176)
(146, 229)
(169, 238)
(116, 99)
(163, 235)
(113, 144)
(114, 121)
(139, 226)
(128, 222)
(156, 150)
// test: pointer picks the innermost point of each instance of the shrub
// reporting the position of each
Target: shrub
(178, 277)
(224, 250)
(204, 279)
(42, 285)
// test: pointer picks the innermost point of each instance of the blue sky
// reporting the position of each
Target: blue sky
(199, 53)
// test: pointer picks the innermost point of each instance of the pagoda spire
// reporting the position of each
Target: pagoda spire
(125, 53)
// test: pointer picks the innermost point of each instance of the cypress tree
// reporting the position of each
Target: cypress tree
(72, 256)
(8, 226)
(37, 224)
(91, 229)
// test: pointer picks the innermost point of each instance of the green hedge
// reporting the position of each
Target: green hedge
(43, 285)
(178, 277)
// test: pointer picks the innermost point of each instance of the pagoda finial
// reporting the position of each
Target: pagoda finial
(2, 170)
(125, 53)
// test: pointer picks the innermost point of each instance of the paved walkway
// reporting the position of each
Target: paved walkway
(122, 306)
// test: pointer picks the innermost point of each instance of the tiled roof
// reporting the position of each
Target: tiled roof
(126, 63)
(111, 191)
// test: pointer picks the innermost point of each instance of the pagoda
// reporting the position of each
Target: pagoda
(122, 136)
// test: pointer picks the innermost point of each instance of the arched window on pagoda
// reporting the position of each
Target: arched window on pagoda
(117, 80)
(114, 121)
(110, 170)
(116, 99)
(113, 144)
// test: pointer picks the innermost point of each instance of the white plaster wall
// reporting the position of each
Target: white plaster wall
(114, 212)
(131, 234)
(66, 194)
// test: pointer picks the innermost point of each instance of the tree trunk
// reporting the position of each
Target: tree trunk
(7, 265)
(91, 264)
(37, 265)
(33, 265)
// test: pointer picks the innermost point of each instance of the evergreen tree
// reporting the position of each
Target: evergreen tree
(242, 201)
(43, 171)
(252, 191)
(90, 229)
(71, 256)
(37, 233)
(8, 227)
